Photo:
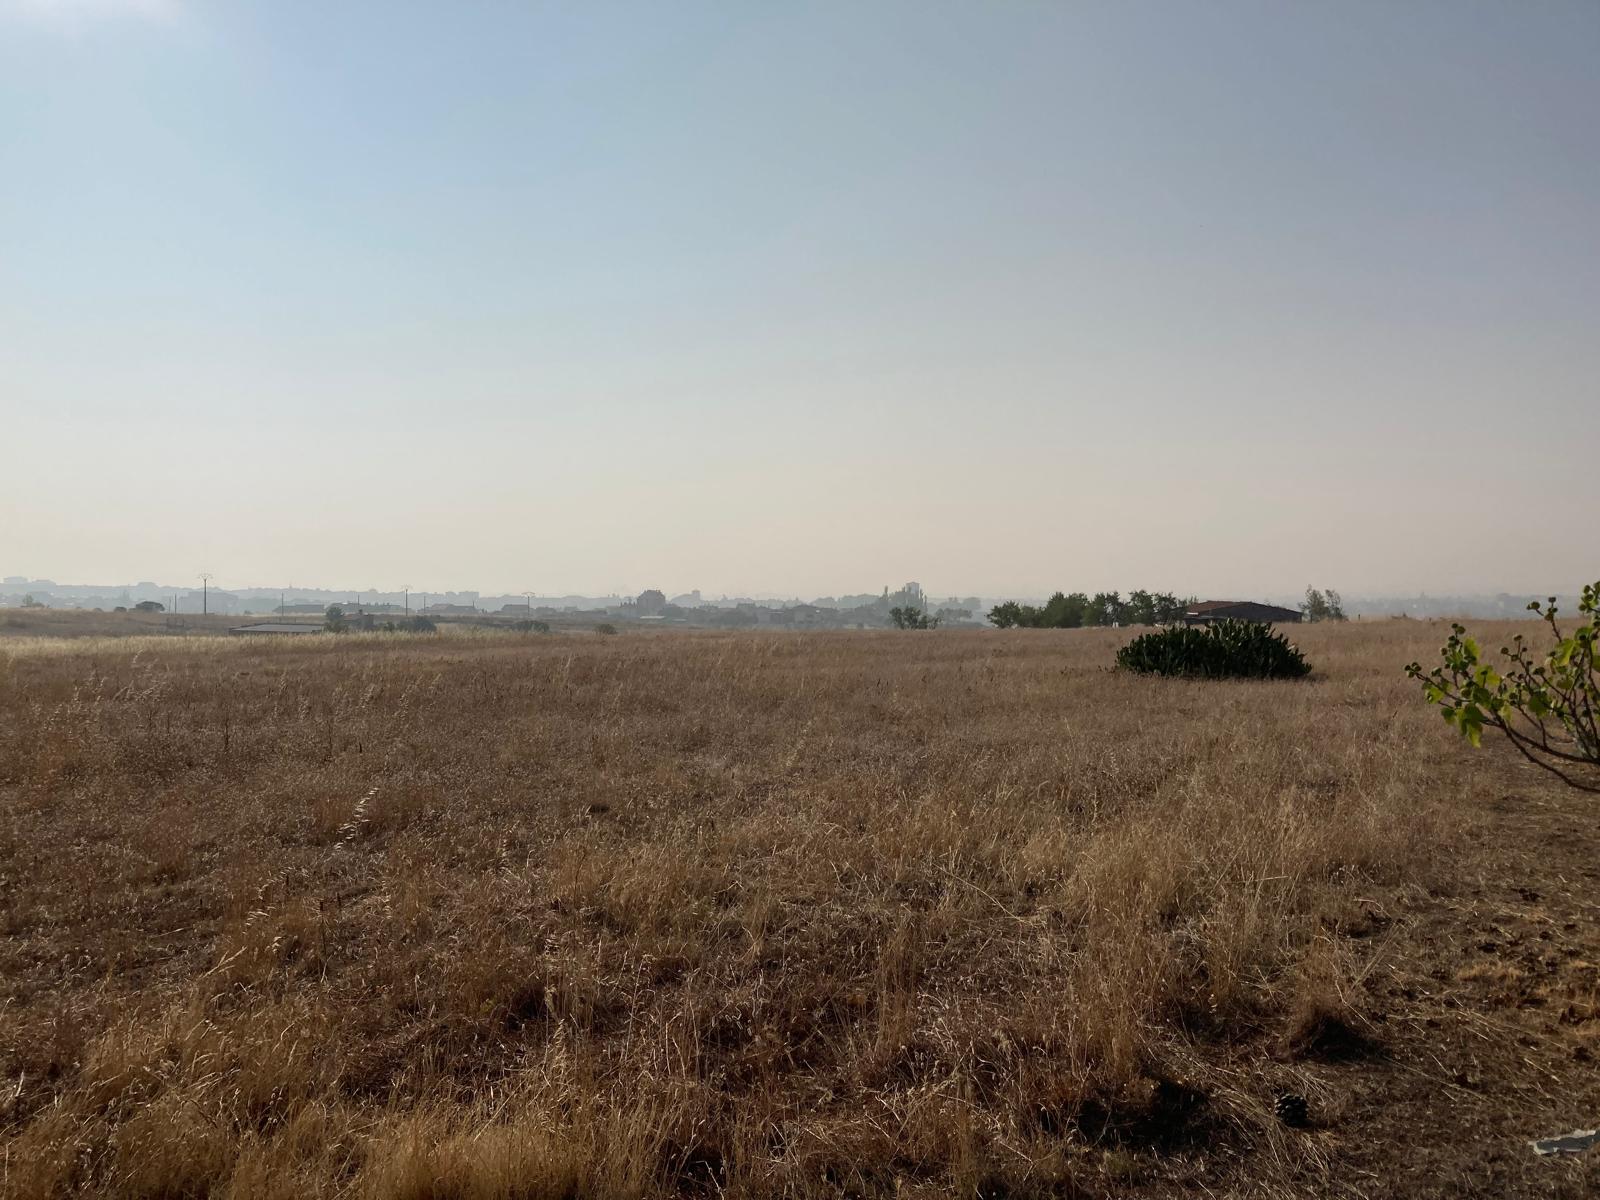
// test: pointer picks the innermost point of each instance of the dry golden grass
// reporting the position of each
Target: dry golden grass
(80, 623)
(917, 914)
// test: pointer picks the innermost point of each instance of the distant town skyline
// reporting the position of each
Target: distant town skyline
(182, 597)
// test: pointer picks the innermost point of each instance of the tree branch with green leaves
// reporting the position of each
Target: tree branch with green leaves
(1548, 707)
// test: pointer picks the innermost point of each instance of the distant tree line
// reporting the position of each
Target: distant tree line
(1075, 610)
(336, 620)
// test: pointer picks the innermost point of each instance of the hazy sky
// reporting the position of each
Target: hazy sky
(801, 297)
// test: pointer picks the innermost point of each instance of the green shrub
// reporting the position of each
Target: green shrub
(1548, 709)
(1221, 650)
(912, 618)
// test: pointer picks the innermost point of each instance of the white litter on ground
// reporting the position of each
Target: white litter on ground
(1575, 1142)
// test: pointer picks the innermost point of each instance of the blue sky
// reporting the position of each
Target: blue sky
(801, 297)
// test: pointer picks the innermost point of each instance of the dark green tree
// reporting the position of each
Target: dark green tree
(1140, 609)
(1006, 615)
(912, 617)
(1104, 608)
(1058, 613)
(1168, 608)
(1064, 611)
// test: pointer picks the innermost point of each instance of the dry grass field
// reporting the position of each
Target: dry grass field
(867, 915)
(78, 623)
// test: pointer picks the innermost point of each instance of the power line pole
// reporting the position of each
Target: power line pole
(205, 592)
(406, 588)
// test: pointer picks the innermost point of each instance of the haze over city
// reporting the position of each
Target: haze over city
(800, 299)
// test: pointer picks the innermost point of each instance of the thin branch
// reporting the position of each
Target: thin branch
(1548, 766)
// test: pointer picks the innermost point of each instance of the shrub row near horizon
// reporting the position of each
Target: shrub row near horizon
(1078, 609)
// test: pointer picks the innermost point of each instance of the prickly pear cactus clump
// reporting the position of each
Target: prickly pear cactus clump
(1221, 650)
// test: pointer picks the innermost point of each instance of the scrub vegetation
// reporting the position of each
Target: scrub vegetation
(968, 914)
(1220, 650)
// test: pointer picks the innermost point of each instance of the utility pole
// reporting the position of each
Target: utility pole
(406, 588)
(205, 592)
